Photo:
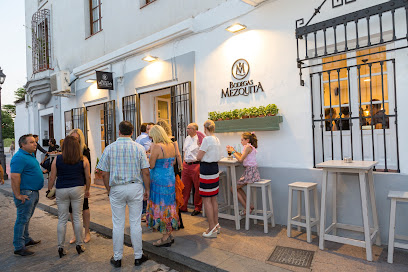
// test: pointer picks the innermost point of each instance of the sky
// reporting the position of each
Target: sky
(12, 48)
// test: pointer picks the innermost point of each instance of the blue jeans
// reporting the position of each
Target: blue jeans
(24, 213)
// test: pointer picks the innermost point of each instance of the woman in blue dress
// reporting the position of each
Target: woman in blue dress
(161, 211)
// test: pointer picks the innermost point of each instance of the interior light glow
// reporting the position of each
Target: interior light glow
(90, 80)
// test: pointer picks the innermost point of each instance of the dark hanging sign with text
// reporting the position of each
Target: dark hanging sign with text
(104, 80)
(245, 87)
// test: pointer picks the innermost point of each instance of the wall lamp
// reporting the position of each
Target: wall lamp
(235, 28)
(149, 58)
(90, 80)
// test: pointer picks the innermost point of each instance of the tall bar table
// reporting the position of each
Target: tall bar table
(370, 234)
(231, 164)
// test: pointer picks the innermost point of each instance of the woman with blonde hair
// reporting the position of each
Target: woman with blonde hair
(209, 155)
(86, 214)
(161, 212)
(178, 166)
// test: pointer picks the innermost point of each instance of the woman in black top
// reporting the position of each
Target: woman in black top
(86, 214)
(72, 170)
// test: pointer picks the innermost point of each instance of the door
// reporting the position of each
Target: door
(109, 122)
(162, 107)
(79, 120)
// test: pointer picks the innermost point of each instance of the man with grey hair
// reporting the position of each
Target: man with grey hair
(26, 180)
(191, 168)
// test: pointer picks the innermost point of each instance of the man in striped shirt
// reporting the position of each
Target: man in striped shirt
(125, 168)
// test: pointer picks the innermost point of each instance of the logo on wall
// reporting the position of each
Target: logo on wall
(104, 80)
(239, 71)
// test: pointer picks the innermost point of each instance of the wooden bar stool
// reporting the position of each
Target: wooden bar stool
(395, 197)
(264, 184)
(304, 187)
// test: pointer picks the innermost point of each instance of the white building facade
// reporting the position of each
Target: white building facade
(343, 71)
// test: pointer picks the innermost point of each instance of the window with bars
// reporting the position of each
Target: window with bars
(41, 41)
(95, 16)
(353, 98)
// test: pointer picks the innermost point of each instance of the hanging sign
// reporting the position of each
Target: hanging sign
(243, 86)
(104, 80)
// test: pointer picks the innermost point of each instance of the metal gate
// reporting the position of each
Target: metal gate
(109, 122)
(131, 112)
(181, 112)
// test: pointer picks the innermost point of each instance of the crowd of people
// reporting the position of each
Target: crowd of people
(148, 175)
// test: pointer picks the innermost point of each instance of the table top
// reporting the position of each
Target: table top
(226, 161)
(366, 165)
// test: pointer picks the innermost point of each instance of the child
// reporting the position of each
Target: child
(248, 158)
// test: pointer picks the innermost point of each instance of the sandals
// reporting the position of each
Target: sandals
(218, 228)
(163, 243)
(243, 212)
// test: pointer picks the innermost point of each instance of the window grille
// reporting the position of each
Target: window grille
(131, 112)
(41, 41)
(353, 82)
(95, 16)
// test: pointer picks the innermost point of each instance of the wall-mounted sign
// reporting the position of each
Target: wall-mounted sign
(104, 80)
(239, 71)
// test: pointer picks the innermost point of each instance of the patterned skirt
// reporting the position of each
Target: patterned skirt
(209, 179)
(250, 175)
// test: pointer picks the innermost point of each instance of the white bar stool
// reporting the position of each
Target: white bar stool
(395, 197)
(304, 187)
(264, 184)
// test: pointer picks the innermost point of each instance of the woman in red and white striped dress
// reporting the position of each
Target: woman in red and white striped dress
(209, 155)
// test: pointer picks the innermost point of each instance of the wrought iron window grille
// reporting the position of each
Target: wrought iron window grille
(41, 41)
(353, 130)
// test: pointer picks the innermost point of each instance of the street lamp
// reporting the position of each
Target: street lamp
(2, 157)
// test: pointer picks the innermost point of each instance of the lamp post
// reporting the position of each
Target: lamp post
(2, 156)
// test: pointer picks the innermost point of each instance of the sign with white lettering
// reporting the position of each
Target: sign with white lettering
(240, 70)
(104, 80)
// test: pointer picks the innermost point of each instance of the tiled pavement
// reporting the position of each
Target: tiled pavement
(234, 250)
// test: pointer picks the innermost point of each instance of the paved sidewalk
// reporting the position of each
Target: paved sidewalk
(233, 250)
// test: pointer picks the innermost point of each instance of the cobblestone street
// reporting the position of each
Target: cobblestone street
(43, 226)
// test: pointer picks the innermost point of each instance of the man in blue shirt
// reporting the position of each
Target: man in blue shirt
(144, 139)
(26, 180)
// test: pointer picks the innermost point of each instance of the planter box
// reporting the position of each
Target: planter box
(249, 124)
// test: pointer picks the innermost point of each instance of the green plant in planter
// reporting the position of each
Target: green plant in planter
(253, 112)
(271, 110)
(236, 114)
(262, 111)
(244, 113)
(213, 116)
(227, 115)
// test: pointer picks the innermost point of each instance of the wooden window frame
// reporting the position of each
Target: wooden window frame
(91, 19)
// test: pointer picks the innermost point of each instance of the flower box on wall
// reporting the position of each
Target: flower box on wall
(249, 124)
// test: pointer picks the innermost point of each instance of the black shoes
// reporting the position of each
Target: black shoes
(32, 243)
(80, 249)
(23, 252)
(195, 212)
(117, 263)
(140, 261)
(61, 252)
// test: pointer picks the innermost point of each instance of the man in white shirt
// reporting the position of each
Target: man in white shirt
(191, 168)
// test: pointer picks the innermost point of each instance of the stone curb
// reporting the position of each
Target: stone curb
(163, 255)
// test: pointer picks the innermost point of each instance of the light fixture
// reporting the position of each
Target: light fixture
(149, 58)
(366, 80)
(235, 28)
(90, 80)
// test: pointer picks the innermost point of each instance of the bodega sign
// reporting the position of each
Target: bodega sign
(242, 86)
(104, 80)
